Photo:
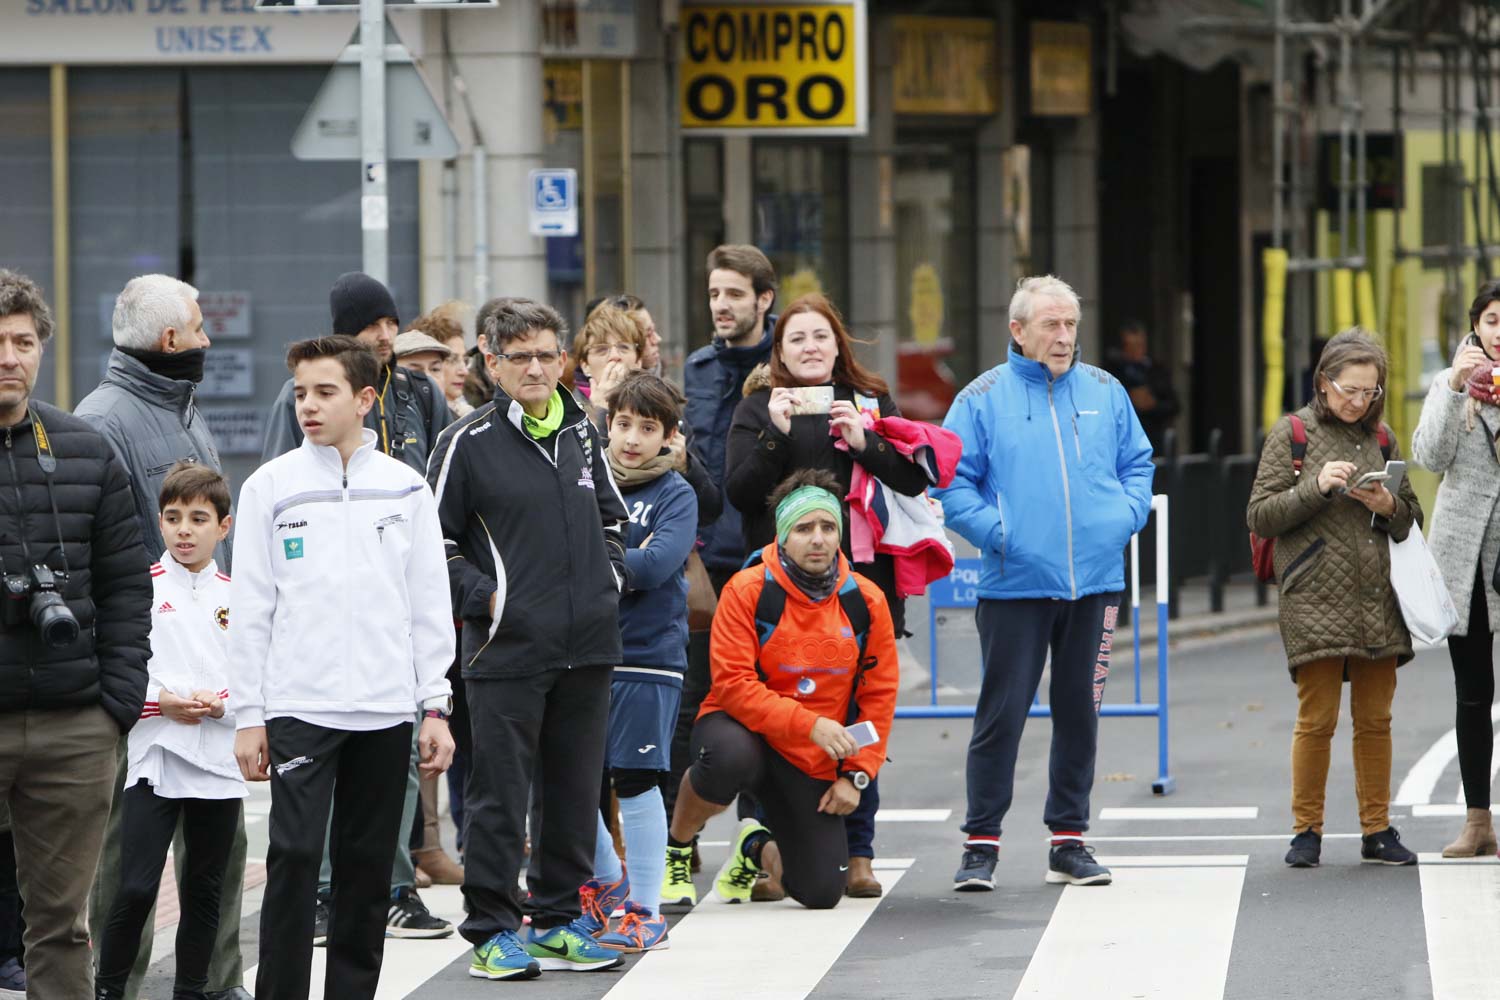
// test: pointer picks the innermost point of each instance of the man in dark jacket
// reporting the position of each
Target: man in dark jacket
(145, 409)
(410, 409)
(69, 688)
(536, 560)
(1149, 384)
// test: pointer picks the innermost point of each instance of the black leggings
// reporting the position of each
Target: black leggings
(147, 826)
(729, 759)
(1473, 657)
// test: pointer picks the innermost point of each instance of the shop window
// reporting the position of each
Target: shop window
(26, 165)
(802, 217)
(935, 286)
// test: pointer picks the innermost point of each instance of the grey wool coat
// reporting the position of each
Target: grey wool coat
(1465, 527)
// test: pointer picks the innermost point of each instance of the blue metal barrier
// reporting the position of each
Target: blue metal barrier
(961, 589)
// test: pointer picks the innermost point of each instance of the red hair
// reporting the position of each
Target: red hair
(846, 367)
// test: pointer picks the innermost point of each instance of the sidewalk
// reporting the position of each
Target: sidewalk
(1195, 621)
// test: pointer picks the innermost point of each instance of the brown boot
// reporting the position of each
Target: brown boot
(421, 880)
(436, 864)
(861, 883)
(1476, 839)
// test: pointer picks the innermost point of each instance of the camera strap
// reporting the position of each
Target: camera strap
(48, 461)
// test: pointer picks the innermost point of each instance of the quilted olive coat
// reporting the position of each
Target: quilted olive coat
(1333, 559)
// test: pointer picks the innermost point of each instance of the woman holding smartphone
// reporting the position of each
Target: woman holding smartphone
(793, 417)
(1340, 620)
(1456, 436)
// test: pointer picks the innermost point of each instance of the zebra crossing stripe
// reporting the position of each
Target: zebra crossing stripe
(1461, 910)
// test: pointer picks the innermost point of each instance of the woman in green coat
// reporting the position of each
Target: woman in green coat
(1340, 620)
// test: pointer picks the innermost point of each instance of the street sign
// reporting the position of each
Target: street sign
(554, 202)
(415, 128)
(335, 5)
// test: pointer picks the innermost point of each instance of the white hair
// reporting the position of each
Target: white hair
(1045, 286)
(148, 305)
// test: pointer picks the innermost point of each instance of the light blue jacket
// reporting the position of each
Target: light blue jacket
(1055, 477)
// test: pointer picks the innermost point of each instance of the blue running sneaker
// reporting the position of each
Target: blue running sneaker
(503, 957)
(570, 948)
(976, 872)
(1072, 863)
(599, 900)
(639, 930)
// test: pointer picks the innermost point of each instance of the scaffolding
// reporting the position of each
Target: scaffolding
(1318, 43)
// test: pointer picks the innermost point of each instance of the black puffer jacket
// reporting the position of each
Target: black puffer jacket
(108, 588)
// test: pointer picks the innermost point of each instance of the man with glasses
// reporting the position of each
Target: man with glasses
(536, 560)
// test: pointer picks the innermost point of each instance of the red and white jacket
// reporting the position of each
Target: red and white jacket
(189, 652)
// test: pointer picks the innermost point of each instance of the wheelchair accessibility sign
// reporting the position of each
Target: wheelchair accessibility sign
(554, 202)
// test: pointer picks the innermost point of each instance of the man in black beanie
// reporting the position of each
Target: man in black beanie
(410, 410)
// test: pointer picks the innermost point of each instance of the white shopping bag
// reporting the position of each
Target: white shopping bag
(1425, 602)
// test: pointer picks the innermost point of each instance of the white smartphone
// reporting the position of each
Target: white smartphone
(1392, 475)
(864, 733)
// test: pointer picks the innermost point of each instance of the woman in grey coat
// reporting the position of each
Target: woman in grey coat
(1457, 437)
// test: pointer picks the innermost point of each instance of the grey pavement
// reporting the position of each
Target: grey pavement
(1344, 930)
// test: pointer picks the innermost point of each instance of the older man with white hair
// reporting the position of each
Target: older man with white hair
(144, 407)
(1055, 478)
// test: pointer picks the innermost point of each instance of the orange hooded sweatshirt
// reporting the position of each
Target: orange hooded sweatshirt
(810, 664)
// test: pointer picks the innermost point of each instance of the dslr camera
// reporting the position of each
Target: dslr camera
(37, 597)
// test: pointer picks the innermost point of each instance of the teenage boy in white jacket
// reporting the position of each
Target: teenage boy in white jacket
(181, 762)
(341, 637)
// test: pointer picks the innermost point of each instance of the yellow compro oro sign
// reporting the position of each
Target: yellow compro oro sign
(774, 69)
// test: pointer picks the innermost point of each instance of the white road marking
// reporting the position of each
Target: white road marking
(1163, 813)
(1437, 859)
(408, 963)
(892, 864)
(808, 942)
(1421, 811)
(1185, 838)
(913, 815)
(1421, 781)
(1462, 911)
(1115, 942)
(1173, 860)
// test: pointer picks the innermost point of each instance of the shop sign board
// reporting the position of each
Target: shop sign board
(1062, 69)
(945, 66)
(774, 69)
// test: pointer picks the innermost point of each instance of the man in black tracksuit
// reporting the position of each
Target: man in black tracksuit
(534, 530)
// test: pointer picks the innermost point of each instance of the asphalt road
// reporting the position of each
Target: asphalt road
(1202, 905)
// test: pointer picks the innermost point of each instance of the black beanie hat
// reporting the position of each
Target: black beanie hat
(357, 301)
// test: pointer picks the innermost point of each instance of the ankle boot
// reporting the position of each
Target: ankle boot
(861, 882)
(1476, 839)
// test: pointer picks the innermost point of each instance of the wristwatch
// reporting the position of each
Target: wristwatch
(440, 713)
(859, 779)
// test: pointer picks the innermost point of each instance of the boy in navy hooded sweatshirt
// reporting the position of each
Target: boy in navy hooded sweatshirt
(645, 454)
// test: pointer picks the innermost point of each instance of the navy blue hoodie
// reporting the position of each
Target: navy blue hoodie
(653, 609)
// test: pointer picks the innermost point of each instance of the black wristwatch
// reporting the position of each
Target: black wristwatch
(859, 779)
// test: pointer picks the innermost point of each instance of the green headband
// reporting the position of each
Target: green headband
(801, 502)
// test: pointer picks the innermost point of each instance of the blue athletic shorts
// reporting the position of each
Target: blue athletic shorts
(642, 717)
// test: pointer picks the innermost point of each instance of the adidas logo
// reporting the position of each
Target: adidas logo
(165, 607)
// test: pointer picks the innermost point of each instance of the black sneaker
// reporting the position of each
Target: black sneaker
(1307, 850)
(976, 872)
(409, 918)
(1072, 863)
(1385, 848)
(320, 923)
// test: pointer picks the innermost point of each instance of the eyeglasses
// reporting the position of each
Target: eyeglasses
(523, 359)
(611, 351)
(1367, 395)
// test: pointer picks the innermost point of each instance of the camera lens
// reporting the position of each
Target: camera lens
(54, 620)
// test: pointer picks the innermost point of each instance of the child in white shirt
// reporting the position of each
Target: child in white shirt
(181, 753)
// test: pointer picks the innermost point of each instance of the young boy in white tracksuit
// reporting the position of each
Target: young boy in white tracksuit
(181, 754)
(343, 634)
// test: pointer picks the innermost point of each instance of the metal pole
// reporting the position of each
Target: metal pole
(374, 206)
(481, 224)
(1278, 133)
(1165, 784)
(62, 257)
(450, 223)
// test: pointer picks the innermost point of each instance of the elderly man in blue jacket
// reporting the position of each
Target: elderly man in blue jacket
(1055, 478)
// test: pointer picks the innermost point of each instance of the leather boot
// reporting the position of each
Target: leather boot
(436, 864)
(861, 883)
(1476, 839)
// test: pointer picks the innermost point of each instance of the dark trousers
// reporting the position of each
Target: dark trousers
(463, 749)
(550, 728)
(1473, 657)
(10, 900)
(1015, 637)
(148, 825)
(361, 778)
(729, 759)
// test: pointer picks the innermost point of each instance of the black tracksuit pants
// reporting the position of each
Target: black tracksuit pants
(548, 727)
(1015, 638)
(361, 777)
(147, 827)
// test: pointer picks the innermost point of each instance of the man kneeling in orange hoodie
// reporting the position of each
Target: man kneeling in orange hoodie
(803, 654)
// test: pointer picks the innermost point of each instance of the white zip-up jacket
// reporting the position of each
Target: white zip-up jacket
(340, 589)
(189, 652)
